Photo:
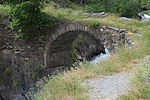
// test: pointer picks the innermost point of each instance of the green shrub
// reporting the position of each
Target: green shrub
(141, 84)
(35, 68)
(28, 19)
(145, 3)
(35, 71)
(127, 8)
(14, 1)
(98, 5)
(4, 9)
(143, 75)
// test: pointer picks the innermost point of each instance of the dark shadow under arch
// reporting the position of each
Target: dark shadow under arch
(62, 52)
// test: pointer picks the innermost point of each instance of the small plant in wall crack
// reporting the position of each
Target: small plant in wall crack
(35, 68)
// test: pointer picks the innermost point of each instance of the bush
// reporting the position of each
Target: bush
(127, 8)
(4, 9)
(143, 75)
(98, 5)
(12, 2)
(145, 3)
(28, 20)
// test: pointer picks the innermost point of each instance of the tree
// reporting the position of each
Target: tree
(27, 18)
(81, 2)
(145, 3)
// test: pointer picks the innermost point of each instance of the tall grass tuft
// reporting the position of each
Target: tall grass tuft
(4, 9)
(62, 87)
(141, 84)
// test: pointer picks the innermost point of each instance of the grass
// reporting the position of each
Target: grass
(141, 86)
(4, 9)
(63, 14)
(66, 86)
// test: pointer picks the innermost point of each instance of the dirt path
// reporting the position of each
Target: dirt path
(109, 87)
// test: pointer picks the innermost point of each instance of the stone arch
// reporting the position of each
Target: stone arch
(73, 46)
(66, 27)
(108, 36)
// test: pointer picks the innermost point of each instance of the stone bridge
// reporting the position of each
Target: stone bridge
(60, 40)
(62, 45)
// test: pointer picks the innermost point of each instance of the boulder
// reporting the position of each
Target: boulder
(102, 14)
(125, 19)
(1, 97)
(144, 17)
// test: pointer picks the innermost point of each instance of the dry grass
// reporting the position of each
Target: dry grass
(67, 85)
(140, 89)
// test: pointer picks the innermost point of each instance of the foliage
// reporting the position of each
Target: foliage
(145, 3)
(35, 71)
(126, 8)
(7, 72)
(35, 68)
(28, 19)
(62, 87)
(93, 23)
(78, 40)
(98, 5)
(141, 84)
(143, 75)
(4, 9)
(81, 2)
(15, 1)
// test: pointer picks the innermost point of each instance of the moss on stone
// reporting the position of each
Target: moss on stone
(5, 74)
(79, 39)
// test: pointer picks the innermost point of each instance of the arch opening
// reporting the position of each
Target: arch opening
(73, 46)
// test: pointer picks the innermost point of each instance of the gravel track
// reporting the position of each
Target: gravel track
(109, 87)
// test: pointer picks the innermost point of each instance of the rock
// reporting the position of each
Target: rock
(6, 52)
(122, 30)
(75, 12)
(79, 58)
(40, 48)
(3, 47)
(125, 19)
(1, 97)
(10, 47)
(144, 17)
(16, 52)
(20, 97)
(29, 47)
(102, 14)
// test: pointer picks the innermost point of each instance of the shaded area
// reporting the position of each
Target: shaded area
(72, 47)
